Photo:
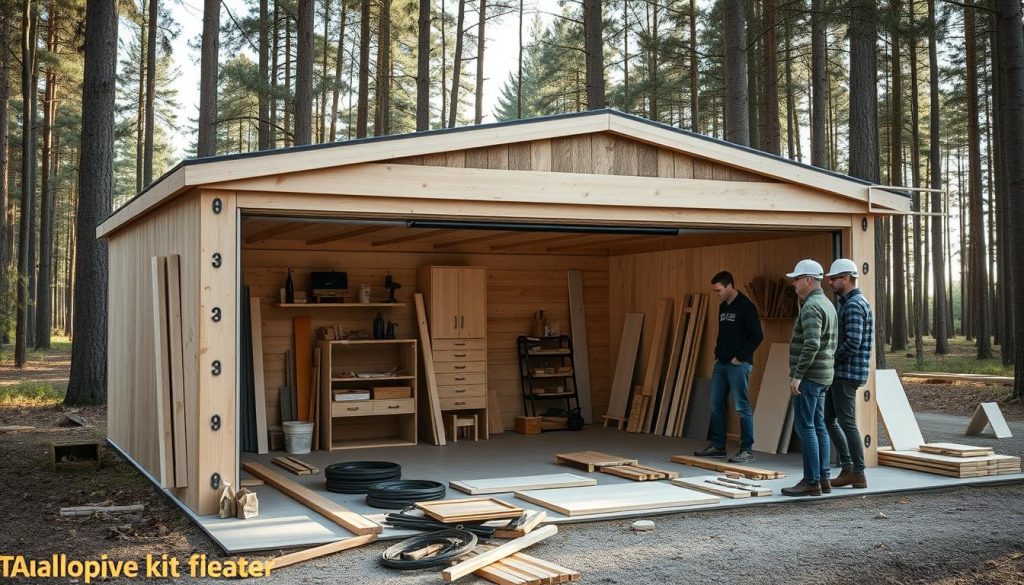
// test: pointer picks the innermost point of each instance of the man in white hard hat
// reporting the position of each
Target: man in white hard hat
(811, 362)
(853, 362)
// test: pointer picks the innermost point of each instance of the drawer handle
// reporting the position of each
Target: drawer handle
(459, 390)
(460, 355)
(394, 406)
(460, 378)
(459, 403)
(352, 408)
(456, 318)
(460, 343)
(460, 367)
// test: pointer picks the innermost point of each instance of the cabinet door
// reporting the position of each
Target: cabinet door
(473, 316)
(444, 303)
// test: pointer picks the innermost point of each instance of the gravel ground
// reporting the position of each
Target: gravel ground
(961, 535)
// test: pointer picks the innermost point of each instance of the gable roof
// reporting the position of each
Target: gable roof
(191, 173)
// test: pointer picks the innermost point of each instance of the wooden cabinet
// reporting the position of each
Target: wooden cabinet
(456, 299)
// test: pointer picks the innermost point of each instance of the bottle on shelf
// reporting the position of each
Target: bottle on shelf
(289, 288)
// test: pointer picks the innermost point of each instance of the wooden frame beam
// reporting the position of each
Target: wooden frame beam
(420, 234)
(274, 231)
(345, 234)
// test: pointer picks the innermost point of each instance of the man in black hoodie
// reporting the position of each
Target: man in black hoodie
(739, 334)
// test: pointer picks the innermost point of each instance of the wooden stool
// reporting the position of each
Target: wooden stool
(457, 423)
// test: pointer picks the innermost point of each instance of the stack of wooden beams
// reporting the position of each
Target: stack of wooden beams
(951, 460)
(523, 569)
(592, 460)
(724, 467)
(775, 297)
(637, 472)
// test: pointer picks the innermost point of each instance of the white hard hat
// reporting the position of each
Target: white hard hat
(841, 267)
(807, 267)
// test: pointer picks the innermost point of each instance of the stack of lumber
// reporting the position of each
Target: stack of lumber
(523, 569)
(724, 467)
(592, 460)
(962, 464)
(637, 472)
(469, 510)
(775, 297)
(645, 395)
(296, 466)
(676, 394)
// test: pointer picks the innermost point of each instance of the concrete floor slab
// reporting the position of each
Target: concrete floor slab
(285, 523)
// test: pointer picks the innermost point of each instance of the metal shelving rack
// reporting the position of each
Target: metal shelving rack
(536, 353)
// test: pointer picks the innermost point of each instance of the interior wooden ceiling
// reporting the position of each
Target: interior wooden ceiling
(286, 233)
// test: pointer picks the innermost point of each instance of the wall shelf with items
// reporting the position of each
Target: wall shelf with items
(368, 368)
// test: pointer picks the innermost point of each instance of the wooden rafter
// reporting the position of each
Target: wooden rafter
(345, 234)
(270, 233)
(420, 234)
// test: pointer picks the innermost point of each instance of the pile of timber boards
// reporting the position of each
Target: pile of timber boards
(957, 462)
(637, 472)
(721, 466)
(523, 569)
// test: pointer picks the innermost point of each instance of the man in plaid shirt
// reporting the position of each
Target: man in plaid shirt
(853, 361)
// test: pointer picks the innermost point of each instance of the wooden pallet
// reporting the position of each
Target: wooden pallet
(638, 472)
(296, 466)
(744, 470)
(523, 569)
(592, 460)
(469, 510)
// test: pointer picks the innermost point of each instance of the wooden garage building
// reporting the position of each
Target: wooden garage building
(644, 211)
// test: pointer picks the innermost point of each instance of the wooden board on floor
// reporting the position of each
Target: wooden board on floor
(986, 414)
(956, 450)
(296, 466)
(257, 375)
(718, 485)
(164, 408)
(723, 466)
(620, 497)
(497, 553)
(433, 403)
(637, 472)
(469, 510)
(500, 485)
(654, 373)
(897, 416)
(178, 427)
(523, 569)
(530, 520)
(303, 366)
(322, 550)
(625, 364)
(591, 460)
(581, 353)
(351, 521)
(773, 400)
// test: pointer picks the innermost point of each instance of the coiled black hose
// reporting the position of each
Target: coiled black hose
(414, 522)
(398, 494)
(355, 477)
(455, 543)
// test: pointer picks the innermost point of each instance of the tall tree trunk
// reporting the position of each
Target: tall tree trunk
(321, 122)
(147, 155)
(770, 136)
(864, 138)
(263, 105)
(481, 37)
(382, 121)
(207, 139)
(25, 225)
(44, 298)
(1007, 275)
(304, 74)
(737, 120)
(653, 111)
(979, 267)
(899, 268)
(423, 67)
(694, 102)
(6, 225)
(819, 85)
(754, 80)
(289, 102)
(336, 90)
(1011, 69)
(915, 171)
(33, 234)
(88, 378)
(275, 54)
(519, 70)
(457, 65)
(791, 121)
(594, 46)
(362, 101)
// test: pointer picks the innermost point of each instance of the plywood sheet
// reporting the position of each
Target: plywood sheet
(499, 485)
(616, 498)
(988, 413)
(625, 364)
(956, 449)
(898, 418)
(772, 400)
(303, 366)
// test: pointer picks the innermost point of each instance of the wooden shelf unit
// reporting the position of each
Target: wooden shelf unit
(356, 424)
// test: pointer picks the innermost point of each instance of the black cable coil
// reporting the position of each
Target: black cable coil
(355, 477)
(415, 522)
(398, 494)
(455, 542)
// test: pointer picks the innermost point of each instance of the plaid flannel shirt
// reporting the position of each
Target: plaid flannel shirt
(856, 334)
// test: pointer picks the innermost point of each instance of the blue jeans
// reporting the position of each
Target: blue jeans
(809, 422)
(731, 379)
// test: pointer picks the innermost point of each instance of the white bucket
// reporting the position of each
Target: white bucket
(298, 436)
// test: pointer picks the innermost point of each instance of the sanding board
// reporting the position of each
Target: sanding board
(894, 408)
(499, 485)
(772, 400)
(622, 497)
(986, 414)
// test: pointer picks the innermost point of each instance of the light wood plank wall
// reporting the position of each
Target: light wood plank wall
(601, 153)
(131, 369)
(640, 281)
(517, 285)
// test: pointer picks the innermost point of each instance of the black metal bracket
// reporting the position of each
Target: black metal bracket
(215, 369)
(217, 260)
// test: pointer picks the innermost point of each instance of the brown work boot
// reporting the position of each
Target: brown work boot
(826, 485)
(851, 478)
(803, 489)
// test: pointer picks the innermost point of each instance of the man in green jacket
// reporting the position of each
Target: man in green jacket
(811, 369)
